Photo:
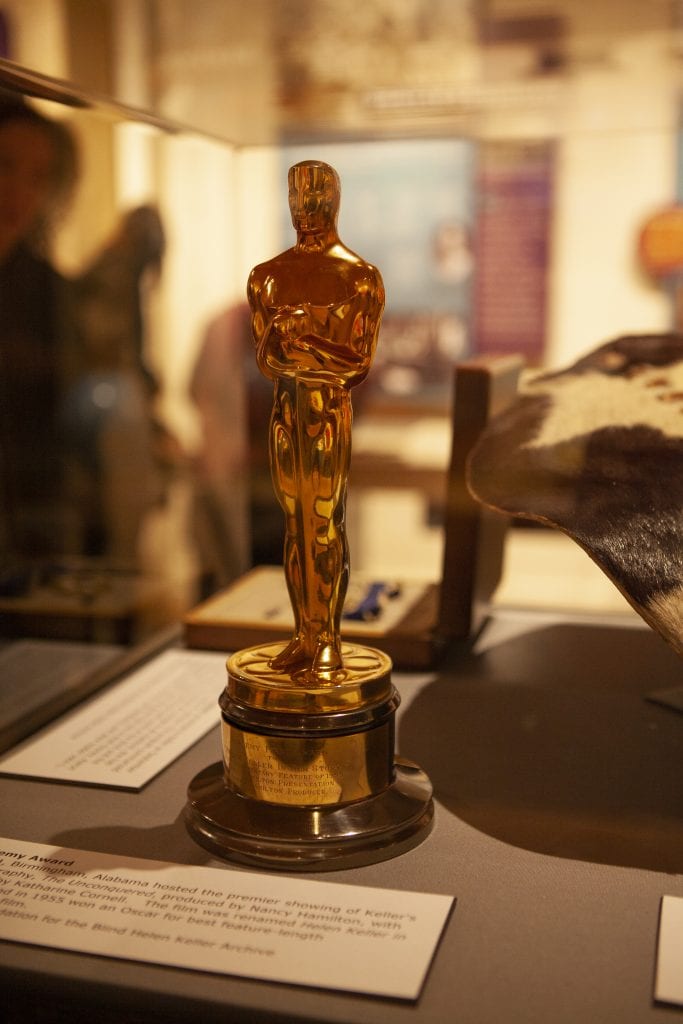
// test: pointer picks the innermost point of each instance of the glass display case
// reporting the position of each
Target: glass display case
(500, 165)
(512, 167)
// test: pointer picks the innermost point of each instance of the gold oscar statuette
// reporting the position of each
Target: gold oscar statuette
(309, 779)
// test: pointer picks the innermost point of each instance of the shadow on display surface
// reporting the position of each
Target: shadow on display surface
(547, 742)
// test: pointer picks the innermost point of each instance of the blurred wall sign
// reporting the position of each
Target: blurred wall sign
(408, 206)
(514, 188)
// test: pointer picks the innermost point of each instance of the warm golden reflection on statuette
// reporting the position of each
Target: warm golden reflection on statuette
(316, 315)
(309, 779)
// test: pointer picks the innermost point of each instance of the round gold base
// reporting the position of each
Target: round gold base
(310, 838)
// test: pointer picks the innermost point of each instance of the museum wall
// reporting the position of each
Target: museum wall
(608, 103)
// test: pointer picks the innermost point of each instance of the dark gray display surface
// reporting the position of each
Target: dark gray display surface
(559, 824)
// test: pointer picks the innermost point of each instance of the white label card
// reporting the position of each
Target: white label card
(320, 934)
(669, 976)
(129, 734)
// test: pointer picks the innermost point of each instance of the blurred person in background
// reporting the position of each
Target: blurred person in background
(119, 451)
(38, 171)
(218, 389)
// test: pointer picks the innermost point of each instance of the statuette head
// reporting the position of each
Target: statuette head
(314, 192)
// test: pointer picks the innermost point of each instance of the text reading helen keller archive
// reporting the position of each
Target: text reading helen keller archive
(323, 934)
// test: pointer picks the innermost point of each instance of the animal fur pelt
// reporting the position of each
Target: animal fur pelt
(597, 451)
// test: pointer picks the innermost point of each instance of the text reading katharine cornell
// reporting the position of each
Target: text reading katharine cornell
(167, 902)
(256, 925)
